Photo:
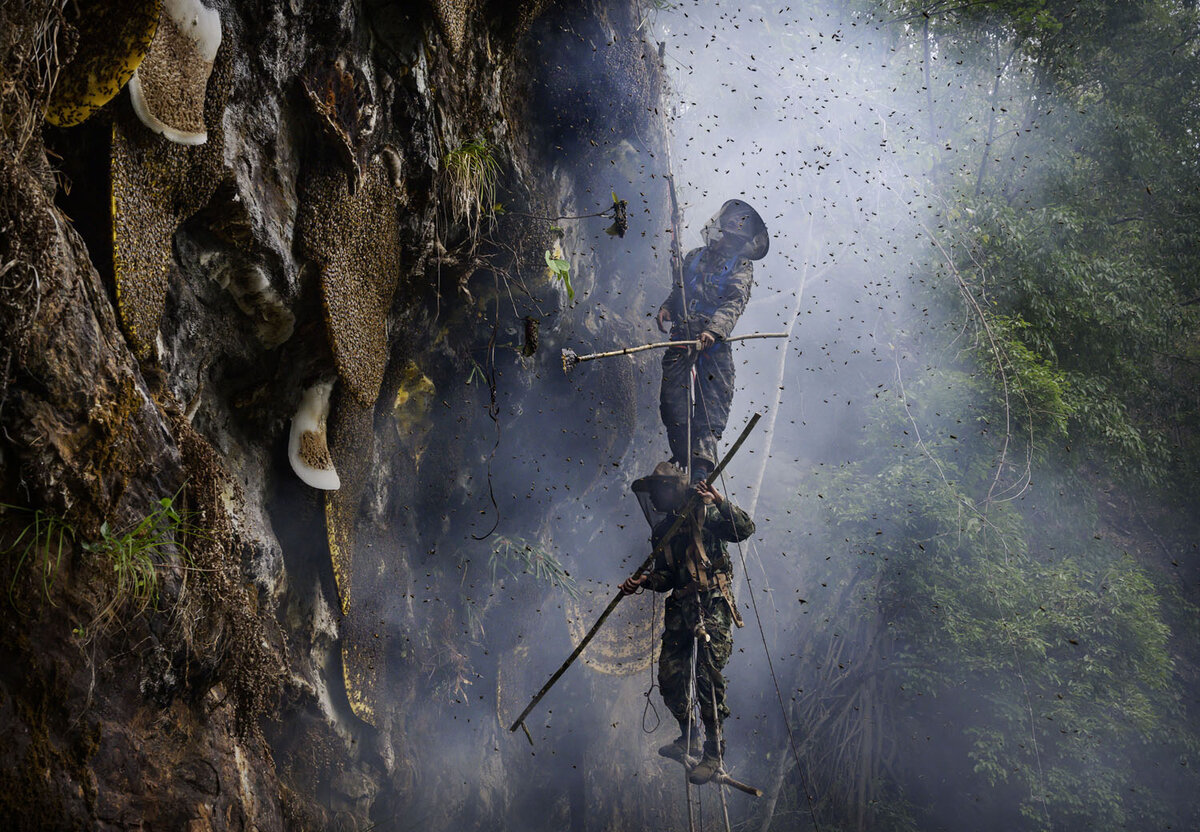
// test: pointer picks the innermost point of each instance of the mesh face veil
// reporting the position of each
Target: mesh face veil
(742, 225)
(660, 493)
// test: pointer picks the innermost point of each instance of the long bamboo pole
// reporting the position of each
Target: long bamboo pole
(570, 359)
(646, 564)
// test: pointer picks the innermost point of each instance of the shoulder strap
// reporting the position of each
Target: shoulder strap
(727, 594)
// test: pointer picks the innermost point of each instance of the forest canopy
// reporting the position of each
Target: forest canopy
(1008, 592)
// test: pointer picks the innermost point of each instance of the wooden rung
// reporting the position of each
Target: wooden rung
(724, 779)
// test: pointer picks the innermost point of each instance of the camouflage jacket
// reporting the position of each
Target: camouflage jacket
(717, 291)
(722, 523)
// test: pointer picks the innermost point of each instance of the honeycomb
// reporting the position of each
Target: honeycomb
(452, 19)
(354, 237)
(113, 39)
(168, 89)
(154, 186)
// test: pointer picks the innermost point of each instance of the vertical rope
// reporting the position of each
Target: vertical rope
(687, 741)
(771, 666)
(720, 740)
(724, 806)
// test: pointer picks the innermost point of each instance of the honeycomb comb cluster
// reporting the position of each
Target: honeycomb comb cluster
(154, 186)
(452, 19)
(352, 443)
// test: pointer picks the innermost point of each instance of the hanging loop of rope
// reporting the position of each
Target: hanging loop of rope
(653, 683)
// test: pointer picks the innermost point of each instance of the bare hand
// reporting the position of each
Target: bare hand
(632, 585)
(664, 315)
(707, 339)
(708, 493)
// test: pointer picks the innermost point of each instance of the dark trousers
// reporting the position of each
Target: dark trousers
(714, 395)
(675, 658)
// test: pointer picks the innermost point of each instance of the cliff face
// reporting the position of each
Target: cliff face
(195, 638)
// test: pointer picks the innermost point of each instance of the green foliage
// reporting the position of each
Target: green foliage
(1078, 308)
(560, 270)
(39, 544)
(476, 374)
(1048, 648)
(1041, 387)
(470, 174)
(137, 554)
(986, 525)
(516, 556)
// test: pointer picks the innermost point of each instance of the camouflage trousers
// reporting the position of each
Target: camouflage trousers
(714, 395)
(675, 658)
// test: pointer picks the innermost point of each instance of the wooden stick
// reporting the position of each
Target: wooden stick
(646, 564)
(723, 779)
(570, 359)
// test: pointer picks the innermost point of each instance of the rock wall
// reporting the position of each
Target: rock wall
(194, 638)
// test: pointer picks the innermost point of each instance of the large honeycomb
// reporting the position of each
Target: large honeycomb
(113, 39)
(351, 446)
(144, 219)
(168, 89)
(626, 644)
(362, 664)
(155, 186)
(452, 19)
(351, 441)
(355, 239)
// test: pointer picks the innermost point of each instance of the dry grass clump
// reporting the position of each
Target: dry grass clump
(31, 39)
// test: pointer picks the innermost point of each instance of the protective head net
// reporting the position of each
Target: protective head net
(737, 220)
(659, 493)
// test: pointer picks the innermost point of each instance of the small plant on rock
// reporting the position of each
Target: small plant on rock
(560, 270)
(138, 553)
(470, 172)
(44, 537)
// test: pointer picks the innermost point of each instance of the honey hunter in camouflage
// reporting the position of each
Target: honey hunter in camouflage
(717, 279)
(694, 566)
